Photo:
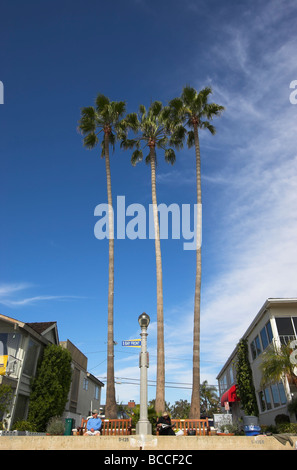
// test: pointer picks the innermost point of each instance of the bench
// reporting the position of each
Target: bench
(110, 427)
(199, 426)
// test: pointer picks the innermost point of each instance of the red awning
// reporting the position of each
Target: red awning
(229, 396)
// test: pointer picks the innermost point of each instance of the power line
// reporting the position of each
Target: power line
(177, 358)
(152, 383)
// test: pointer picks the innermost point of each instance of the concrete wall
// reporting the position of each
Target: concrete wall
(151, 443)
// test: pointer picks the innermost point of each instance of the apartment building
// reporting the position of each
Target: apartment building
(276, 322)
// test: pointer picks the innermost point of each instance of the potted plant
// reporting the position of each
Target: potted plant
(55, 427)
(228, 430)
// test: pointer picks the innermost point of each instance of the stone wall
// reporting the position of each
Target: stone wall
(153, 443)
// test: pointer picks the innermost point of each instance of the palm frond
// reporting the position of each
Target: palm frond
(161, 143)
(101, 102)
(213, 109)
(178, 136)
(155, 109)
(119, 108)
(191, 139)
(128, 143)
(136, 157)
(90, 140)
(87, 123)
(207, 125)
(132, 122)
(201, 99)
(170, 156)
(189, 95)
(142, 112)
(176, 106)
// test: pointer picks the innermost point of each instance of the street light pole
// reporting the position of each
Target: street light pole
(143, 426)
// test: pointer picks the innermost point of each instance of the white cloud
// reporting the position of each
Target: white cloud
(8, 294)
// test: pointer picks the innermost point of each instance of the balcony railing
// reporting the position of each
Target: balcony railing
(13, 367)
(286, 339)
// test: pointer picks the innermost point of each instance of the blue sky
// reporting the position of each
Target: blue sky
(55, 57)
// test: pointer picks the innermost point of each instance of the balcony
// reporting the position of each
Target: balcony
(286, 339)
(13, 367)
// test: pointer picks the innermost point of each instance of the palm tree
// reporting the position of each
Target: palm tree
(209, 398)
(277, 364)
(151, 129)
(105, 119)
(193, 110)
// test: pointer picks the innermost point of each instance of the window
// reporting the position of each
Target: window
(285, 328)
(267, 399)
(275, 395)
(223, 384)
(266, 335)
(255, 347)
(96, 395)
(282, 393)
(272, 397)
(31, 357)
(269, 331)
(86, 384)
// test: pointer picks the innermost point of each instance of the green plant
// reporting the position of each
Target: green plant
(289, 428)
(276, 364)
(151, 415)
(24, 426)
(232, 429)
(245, 386)
(6, 394)
(56, 426)
(50, 387)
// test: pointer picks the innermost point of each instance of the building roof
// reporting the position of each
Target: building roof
(41, 327)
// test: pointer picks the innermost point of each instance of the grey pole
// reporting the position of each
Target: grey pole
(143, 426)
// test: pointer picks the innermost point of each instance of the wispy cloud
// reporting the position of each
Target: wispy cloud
(10, 296)
(258, 220)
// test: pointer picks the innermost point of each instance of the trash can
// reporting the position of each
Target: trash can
(69, 424)
(250, 421)
(252, 430)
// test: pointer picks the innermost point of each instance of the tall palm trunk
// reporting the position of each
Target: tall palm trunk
(110, 406)
(160, 386)
(195, 399)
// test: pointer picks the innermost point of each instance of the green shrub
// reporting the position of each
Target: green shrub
(289, 428)
(56, 426)
(24, 426)
(50, 386)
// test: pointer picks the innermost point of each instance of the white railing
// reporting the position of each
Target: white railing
(13, 366)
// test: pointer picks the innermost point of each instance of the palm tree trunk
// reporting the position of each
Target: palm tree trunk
(110, 405)
(195, 399)
(160, 386)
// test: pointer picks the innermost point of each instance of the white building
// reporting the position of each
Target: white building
(276, 322)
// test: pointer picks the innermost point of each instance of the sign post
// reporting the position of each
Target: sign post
(143, 427)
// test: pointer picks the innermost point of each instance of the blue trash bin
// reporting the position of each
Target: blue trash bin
(252, 430)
